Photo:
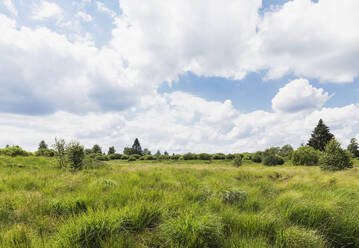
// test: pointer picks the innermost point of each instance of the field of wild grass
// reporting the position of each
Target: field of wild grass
(176, 204)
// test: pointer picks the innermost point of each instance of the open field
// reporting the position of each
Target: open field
(176, 204)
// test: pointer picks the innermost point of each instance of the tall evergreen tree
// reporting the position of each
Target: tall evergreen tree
(42, 145)
(320, 136)
(353, 147)
(136, 147)
(111, 150)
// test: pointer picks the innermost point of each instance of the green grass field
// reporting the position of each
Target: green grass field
(176, 204)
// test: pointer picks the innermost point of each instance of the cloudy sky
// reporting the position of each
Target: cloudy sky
(181, 75)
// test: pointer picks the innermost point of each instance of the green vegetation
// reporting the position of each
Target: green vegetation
(175, 203)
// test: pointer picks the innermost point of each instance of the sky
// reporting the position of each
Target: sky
(180, 75)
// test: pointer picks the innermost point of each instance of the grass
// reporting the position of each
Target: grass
(176, 204)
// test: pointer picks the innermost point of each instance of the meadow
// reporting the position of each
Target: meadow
(176, 204)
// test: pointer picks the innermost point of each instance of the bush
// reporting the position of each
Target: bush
(273, 159)
(45, 152)
(115, 156)
(175, 157)
(149, 157)
(132, 158)
(124, 157)
(193, 231)
(305, 155)
(204, 156)
(14, 151)
(237, 161)
(334, 157)
(75, 154)
(218, 156)
(102, 158)
(230, 156)
(257, 157)
(163, 157)
(189, 156)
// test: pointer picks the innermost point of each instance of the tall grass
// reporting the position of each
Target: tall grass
(176, 204)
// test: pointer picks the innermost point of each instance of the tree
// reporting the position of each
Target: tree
(96, 149)
(305, 155)
(60, 152)
(353, 147)
(75, 155)
(146, 151)
(127, 151)
(320, 136)
(165, 153)
(286, 151)
(136, 147)
(42, 145)
(334, 157)
(111, 150)
(158, 153)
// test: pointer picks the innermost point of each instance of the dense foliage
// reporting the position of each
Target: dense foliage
(305, 155)
(320, 136)
(334, 157)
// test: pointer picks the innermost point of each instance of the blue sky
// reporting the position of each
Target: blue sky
(180, 75)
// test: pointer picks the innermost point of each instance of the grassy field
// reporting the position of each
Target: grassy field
(176, 204)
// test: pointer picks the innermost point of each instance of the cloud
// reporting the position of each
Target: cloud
(310, 39)
(299, 95)
(11, 7)
(46, 10)
(84, 16)
(101, 7)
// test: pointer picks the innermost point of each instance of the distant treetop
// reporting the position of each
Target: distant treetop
(320, 136)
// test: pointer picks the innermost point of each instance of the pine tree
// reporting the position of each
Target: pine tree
(353, 147)
(42, 145)
(136, 147)
(320, 136)
(111, 150)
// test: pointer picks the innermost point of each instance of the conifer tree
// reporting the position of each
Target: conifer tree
(136, 147)
(353, 147)
(320, 136)
(42, 145)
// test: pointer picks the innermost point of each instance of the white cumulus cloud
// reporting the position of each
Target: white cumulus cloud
(299, 95)
(11, 7)
(46, 10)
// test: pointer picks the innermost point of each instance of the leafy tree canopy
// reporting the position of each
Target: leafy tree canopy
(42, 145)
(353, 147)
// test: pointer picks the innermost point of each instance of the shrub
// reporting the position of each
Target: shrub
(272, 159)
(305, 155)
(237, 161)
(132, 158)
(115, 156)
(193, 231)
(163, 157)
(257, 157)
(175, 157)
(45, 152)
(204, 156)
(14, 151)
(218, 156)
(137, 156)
(75, 155)
(149, 157)
(124, 157)
(246, 156)
(189, 156)
(334, 157)
(60, 152)
(102, 158)
(230, 156)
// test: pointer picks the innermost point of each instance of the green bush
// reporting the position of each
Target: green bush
(305, 155)
(257, 157)
(75, 154)
(115, 156)
(45, 152)
(132, 158)
(14, 151)
(272, 159)
(175, 157)
(190, 230)
(237, 160)
(149, 157)
(124, 157)
(204, 156)
(218, 156)
(230, 156)
(163, 157)
(334, 157)
(189, 156)
(102, 158)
